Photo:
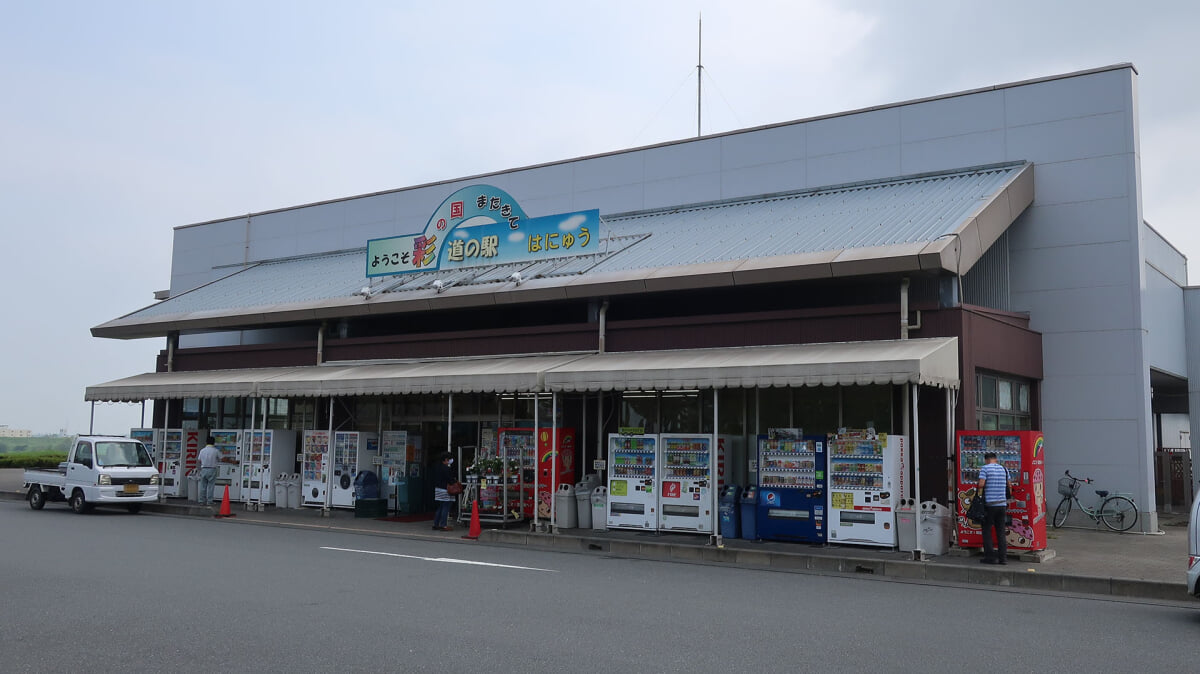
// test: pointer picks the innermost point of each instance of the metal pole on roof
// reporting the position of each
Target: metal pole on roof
(699, 66)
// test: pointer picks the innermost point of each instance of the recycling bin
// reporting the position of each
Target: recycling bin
(727, 511)
(193, 485)
(280, 488)
(934, 528)
(599, 509)
(294, 484)
(366, 484)
(583, 502)
(906, 525)
(749, 507)
(565, 515)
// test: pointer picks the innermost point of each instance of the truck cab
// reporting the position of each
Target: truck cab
(99, 470)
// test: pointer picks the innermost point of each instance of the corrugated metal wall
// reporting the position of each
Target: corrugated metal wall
(987, 284)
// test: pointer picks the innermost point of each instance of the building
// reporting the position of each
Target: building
(6, 432)
(972, 260)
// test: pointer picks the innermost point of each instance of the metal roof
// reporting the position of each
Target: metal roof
(943, 221)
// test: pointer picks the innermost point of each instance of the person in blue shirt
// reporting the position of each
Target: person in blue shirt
(993, 484)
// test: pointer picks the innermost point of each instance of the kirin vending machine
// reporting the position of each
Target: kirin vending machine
(1023, 454)
(632, 477)
(352, 451)
(180, 448)
(685, 499)
(229, 447)
(265, 454)
(865, 484)
(791, 486)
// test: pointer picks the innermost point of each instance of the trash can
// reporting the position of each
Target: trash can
(583, 503)
(565, 515)
(934, 528)
(749, 504)
(294, 484)
(280, 487)
(366, 484)
(193, 484)
(727, 511)
(906, 525)
(599, 509)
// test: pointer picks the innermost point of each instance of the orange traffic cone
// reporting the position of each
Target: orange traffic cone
(475, 530)
(225, 511)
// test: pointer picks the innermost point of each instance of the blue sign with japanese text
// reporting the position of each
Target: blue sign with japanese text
(482, 225)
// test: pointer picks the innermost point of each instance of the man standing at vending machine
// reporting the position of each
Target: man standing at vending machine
(209, 458)
(993, 484)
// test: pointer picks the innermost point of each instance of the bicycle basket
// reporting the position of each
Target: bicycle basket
(1067, 486)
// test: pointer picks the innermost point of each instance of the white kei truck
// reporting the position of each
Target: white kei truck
(99, 470)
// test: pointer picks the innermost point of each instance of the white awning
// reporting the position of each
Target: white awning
(931, 362)
(502, 374)
(508, 374)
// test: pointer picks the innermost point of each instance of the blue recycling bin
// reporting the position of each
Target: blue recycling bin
(749, 505)
(727, 511)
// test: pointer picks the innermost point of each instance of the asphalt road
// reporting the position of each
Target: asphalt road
(114, 592)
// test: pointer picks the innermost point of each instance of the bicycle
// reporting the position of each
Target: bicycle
(1118, 513)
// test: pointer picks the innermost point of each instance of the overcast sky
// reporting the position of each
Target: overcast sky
(120, 120)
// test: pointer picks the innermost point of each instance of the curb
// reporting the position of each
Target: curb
(798, 562)
(1125, 588)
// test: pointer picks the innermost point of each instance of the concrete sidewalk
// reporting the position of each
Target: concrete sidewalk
(1085, 560)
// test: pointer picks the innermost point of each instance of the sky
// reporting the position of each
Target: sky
(120, 121)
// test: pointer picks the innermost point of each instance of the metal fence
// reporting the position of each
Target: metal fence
(1173, 485)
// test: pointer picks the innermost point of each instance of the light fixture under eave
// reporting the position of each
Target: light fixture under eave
(516, 278)
(439, 286)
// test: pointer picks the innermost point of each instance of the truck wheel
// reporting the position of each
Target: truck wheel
(37, 499)
(134, 508)
(77, 502)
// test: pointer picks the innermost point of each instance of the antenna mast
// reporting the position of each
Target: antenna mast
(699, 66)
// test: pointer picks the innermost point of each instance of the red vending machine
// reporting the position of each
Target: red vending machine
(1023, 454)
(551, 465)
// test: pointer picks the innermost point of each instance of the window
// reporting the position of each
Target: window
(83, 454)
(1003, 403)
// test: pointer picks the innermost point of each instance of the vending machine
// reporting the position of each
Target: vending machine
(148, 437)
(548, 465)
(229, 447)
(313, 464)
(351, 449)
(685, 498)
(179, 450)
(865, 485)
(265, 454)
(632, 478)
(393, 464)
(1023, 454)
(791, 486)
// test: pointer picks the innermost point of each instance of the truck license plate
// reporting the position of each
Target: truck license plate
(131, 489)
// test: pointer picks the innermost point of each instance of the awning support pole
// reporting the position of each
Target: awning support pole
(264, 470)
(554, 460)
(92, 420)
(536, 482)
(916, 444)
(714, 478)
(328, 464)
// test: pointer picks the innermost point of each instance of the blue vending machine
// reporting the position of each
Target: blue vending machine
(791, 486)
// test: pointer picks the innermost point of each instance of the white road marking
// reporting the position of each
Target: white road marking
(446, 560)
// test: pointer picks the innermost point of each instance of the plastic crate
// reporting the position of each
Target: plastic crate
(1067, 486)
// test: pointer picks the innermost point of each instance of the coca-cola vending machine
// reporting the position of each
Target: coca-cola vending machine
(1022, 453)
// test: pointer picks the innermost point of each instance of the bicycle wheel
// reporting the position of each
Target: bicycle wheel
(1061, 513)
(1118, 513)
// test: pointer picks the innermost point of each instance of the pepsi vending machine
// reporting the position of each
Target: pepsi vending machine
(791, 486)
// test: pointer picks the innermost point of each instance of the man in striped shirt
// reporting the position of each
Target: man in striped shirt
(993, 484)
